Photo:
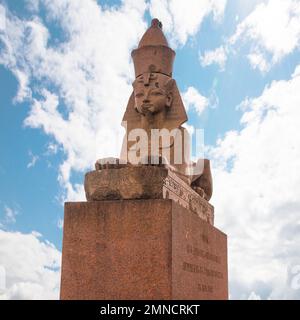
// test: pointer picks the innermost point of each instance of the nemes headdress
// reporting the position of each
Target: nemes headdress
(154, 55)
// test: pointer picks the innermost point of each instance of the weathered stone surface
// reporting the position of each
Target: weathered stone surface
(145, 182)
(141, 249)
(130, 182)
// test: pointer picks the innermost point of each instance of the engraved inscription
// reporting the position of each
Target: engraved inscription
(203, 254)
(205, 288)
(194, 268)
(187, 198)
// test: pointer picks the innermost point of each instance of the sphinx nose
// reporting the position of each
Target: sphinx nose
(146, 100)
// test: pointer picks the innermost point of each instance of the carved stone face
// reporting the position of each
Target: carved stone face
(152, 93)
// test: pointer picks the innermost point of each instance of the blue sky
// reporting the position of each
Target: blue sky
(65, 77)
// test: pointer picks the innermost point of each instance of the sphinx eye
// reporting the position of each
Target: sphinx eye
(139, 94)
(156, 93)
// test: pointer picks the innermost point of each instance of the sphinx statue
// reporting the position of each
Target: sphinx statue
(154, 120)
(146, 231)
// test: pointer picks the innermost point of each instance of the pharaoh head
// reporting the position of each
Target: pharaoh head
(153, 93)
(154, 90)
(155, 104)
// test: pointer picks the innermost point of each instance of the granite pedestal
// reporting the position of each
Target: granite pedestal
(141, 249)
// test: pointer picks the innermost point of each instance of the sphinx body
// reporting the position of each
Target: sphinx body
(154, 117)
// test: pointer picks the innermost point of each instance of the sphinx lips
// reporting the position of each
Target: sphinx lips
(148, 107)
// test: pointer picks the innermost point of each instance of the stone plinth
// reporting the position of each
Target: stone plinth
(141, 249)
(145, 182)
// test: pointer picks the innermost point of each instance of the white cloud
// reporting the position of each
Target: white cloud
(256, 193)
(10, 214)
(296, 72)
(254, 296)
(271, 31)
(31, 267)
(258, 61)
(182, 19)
(217, 56)
(33, 5)
(52, 148)
(91, 71)
(60, 223)
(2, 18)
(10, 57)
(33, 160)
(274, 28)
(193, 99)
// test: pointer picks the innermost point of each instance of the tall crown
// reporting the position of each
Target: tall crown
(153, 53)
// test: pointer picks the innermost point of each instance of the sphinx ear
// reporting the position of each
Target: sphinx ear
(169, 99)
(169, 89)
(134, 84)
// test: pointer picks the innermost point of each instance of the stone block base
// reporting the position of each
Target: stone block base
(145, 182)
(141, 249)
